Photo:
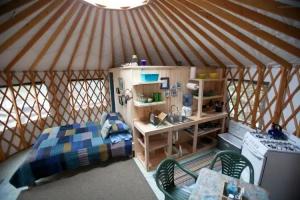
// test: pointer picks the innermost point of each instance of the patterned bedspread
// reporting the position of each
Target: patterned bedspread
(69, 147)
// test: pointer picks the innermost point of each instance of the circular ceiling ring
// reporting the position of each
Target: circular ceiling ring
(117, 4)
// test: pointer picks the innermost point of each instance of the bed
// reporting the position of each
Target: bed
(70, 147)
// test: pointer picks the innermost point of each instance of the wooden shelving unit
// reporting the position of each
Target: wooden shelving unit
(154, 159)
(203, 146)
(155, 143)
(214, 86)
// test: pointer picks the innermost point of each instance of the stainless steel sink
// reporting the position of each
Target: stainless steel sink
(176, 119)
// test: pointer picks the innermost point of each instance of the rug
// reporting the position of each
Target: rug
(119, 180)
(194, 164)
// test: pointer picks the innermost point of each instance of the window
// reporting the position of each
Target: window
(118, 4)
(247, 100)
(26, 104)
(87, 93)
(7, 112)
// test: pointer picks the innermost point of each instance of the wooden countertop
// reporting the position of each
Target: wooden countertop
(147, 128)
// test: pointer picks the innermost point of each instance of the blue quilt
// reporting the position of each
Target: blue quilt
(70, 147)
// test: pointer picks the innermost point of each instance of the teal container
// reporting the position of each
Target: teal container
(149, 77)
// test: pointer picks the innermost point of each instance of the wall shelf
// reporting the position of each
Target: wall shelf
(156, 142)
(212, 97)
(209, 97)
(146, 83)
(141, 104)
(204, 131)
(209, 80)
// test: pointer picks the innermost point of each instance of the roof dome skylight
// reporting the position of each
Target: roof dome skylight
(118, 4)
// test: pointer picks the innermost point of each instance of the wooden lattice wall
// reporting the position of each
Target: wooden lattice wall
(260, 96)
(32, 101)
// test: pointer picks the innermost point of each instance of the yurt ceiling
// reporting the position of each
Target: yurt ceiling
(76, 34)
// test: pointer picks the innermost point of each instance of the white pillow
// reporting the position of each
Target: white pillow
(105, 129)
(103, 118)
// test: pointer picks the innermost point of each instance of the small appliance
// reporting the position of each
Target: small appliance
(187, 105)
(275, 163)
(276, 132)
(186, 111)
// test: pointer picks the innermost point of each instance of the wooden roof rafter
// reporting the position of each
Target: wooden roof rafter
(144, 46)
(181, 36)
(38, 35)
(150, 37)
(101, 46)
(170, 36)
(218, 22)
(53, 36)
(259, 18)
(130, 32)
(121, 38)
(22, 14)
(77, 44)
(221, 35)
(275, 7)
(112, 43)
(190, 34)
(200, 31)
(12, 5)
(68, 36)
(27, 27)
(91, 39)
(214, 8)
(158, 34)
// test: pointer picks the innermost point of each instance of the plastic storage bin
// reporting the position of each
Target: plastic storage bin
(149, 77)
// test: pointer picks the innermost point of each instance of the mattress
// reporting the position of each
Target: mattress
(69, 147)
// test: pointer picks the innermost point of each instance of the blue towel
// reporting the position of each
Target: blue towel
(115, 138)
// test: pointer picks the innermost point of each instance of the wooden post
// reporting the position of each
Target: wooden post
(170, 143)
(260, 80)
(54, 103)
(147, 153)
(71, 99)
(41, 123)
(238, 91)
(2, 155)
(20, 127)
(195, 138)
(86, 93)
(200, 98)
(281, 94)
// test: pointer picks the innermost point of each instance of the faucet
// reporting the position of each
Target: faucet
(171, 110)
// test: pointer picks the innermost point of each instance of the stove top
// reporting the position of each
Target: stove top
(264, 136)
(263, 142)
(280, 145)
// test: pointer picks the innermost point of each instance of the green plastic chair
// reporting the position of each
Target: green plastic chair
(233, 164)
(164, 178)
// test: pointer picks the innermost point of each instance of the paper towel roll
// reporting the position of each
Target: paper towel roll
(192, 86)
(193, 73)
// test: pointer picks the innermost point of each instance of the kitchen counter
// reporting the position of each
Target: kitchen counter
(149, 138)
(147, 128)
